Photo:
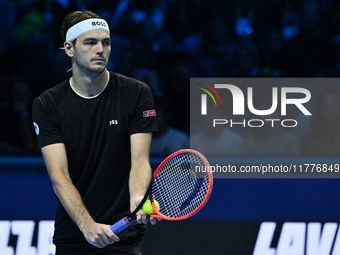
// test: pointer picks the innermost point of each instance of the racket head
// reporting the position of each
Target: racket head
(180, 190)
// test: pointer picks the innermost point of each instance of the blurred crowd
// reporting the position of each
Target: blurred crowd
(164, 43)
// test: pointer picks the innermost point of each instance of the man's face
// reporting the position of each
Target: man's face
(92, 51)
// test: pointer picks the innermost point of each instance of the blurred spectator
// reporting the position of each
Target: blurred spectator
(313, 48)
(147, 43)
(122, 56)
(126, 62)
(185, 17)
(32, 24)
(272, 52)
(246, 60)
(168, 139)
(217, 48)
(60, 63)
(32, 41)
(150, 77)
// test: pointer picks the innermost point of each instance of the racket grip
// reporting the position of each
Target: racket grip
(119, 226)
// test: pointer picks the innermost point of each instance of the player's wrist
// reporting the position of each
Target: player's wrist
(85, 225)
(135, 200)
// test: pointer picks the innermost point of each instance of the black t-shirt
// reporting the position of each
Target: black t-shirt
(96, 133)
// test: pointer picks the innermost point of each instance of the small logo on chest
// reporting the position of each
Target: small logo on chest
(113, 122)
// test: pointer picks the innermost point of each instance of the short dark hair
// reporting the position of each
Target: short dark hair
(74, 18)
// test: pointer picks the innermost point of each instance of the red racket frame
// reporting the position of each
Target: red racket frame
(158, 214)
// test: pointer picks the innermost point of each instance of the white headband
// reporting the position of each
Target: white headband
(86, 26)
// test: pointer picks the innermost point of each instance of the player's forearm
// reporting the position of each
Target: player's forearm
(56, 163)
(97, 234)
(140, 176)
(71, 200)
(140, 173)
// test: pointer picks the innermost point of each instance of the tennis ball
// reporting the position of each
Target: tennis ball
(147, 207)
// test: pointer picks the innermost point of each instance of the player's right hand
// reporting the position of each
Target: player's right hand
(99, 235)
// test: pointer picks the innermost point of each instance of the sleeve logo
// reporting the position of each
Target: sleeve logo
(36, 128)
(149, 113)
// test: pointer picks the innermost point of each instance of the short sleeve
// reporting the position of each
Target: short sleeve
(44, 117)
(144, 113)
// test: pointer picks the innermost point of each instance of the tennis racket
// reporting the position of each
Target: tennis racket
(181, 185)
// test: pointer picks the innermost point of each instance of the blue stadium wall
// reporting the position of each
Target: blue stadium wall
(243, 216)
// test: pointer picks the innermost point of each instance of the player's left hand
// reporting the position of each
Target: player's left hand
(141, 216)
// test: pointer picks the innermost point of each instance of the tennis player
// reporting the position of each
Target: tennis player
(94, 130)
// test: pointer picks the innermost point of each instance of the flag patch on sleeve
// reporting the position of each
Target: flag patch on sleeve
(149, 113)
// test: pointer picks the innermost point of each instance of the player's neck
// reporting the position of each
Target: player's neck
(88, 85)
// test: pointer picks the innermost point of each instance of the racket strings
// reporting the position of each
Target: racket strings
(179, 188)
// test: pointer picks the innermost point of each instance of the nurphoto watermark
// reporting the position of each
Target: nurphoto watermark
(261, 120)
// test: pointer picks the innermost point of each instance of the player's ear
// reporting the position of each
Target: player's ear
(68, 48)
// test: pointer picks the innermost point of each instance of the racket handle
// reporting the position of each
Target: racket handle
(119, 226)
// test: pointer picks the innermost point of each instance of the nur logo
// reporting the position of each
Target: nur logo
(204, 98)
(239, 99)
